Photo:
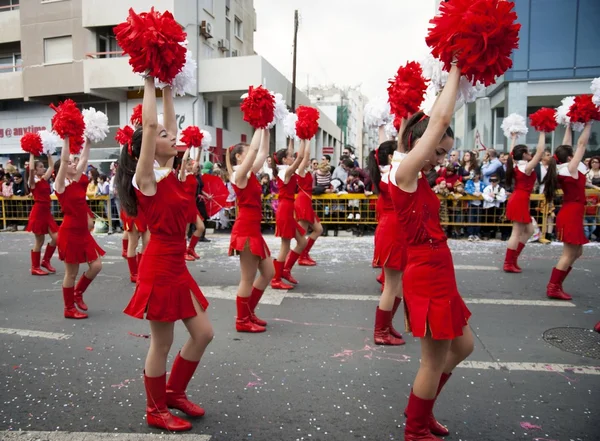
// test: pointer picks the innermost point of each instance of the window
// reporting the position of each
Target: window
(228, 29)
(58, 50)
(208, 113)
(208, 51)
(234, 53)
(237, 28)
(9, 5)
(10, 63)
(107, 45)
(208, 6)
(225, 118)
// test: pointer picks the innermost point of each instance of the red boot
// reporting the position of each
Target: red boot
(35, 264)
(509, 261)
(48, 253)
(255, 297)
(381, 277)
(520, 248)
(305, 259)
(181, 374)
(277, 283)
(192, 247)
(69, 299)
(80, 288)
(381, 334)
(397, 302)
(243, 322)
(290, 261)
(133, 268)
(434, 426)
(418, 412)
(157, 412)
(124, 248)
(597, 327)
(554, 288)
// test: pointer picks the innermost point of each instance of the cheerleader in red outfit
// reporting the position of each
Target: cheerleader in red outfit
(304, 210)
(165, 290)
(243, 162)
(75, 243)
(135, 228)
(522, 174)
(188, 175)
(566, 171)
(436, 313)
(286, 225)
(390, 249)
(41, 221)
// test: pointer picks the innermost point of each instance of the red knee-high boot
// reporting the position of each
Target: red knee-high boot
(509, 261)
(520, 248)
(69, 299)
(434, 426)
(181, 374)
(124, 248)
(35, 264)
(277, 283)
(243, 322)
(255, 297)
(48, 253)
(80, 288)
(305, 259)
(157, 412)
(597, 327)
(132, 262)
(381, 334)
(191, 250)
(554, 287)
(397, 302)
(417, 419)
(290, 261)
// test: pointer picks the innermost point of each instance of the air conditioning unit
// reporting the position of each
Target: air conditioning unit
(234, 53)
(206, 29)
(224, 45)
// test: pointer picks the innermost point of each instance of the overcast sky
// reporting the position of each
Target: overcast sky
(346, 42)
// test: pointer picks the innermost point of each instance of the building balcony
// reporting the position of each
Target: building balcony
(10, 24)
(108, 70)
(12, 82)
(112, 12)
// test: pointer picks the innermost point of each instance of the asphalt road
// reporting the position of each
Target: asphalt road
(315, 374)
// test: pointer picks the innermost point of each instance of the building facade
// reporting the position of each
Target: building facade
(51, 50)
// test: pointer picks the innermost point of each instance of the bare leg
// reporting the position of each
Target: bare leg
(39, 242)
(249, 264)
(266, 273)
(433, 358)
(391, 289)
(201, 334)
(284, 250)
(460, 348)
(160, 345)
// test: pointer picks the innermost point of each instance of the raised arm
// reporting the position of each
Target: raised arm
(568, 138)
(83, 160)
(382, 135)
(61, 175)
(30, 177)
(539, 152)
(263, 151)
(582, 143)
(289, 172)
(144, 171)
(50, 170)
(513, 142)
(184, 160)
(305, 159)
(169, 111)
(241, 176)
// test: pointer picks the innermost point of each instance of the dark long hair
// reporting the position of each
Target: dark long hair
(415, 128)
(563, 153)
(125, 171)
(278, 158)
(516, 155)
(379, 157)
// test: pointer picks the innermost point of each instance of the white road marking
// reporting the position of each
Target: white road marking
(35, 334)
(476, 268)
(270, 297)
(531, 367)
(10, 435)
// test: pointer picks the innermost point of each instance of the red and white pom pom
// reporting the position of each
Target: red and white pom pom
(543, 120)
(68, 121)
(377, 113)
(562, 111)
(514, 124)
(595, 87)
(96, 125)
(32, 143)
(281, 111)
(258, 107)
(206, 139)
(136, 116)
(153, 42)
(583, 110)
(433, 69)
(185, 81)
(481, 34)
(390, 130)
(289, 126)
(307, 125)
(124, 135)
(407, 90)
(50, 141)
(192, 136)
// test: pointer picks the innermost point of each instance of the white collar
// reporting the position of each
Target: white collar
(282, 167)
(384, 168)
(398, 156)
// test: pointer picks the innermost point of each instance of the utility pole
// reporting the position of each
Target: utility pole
(294, 68)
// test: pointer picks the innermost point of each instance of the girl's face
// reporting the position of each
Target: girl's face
(467, 157)
(288, 160)
(314, 165)
(595, 164)
(239, 157)
(527, 156)
(72, 166)
(189, 165)
(6, 179)
(166, 144)
(439, 155)
(40, 169)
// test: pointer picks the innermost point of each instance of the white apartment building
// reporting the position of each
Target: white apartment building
(51, 50)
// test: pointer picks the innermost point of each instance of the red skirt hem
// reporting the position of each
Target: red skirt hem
(389, 251)
(255, 244)
(304, 209)
(77, 246)
(569, 224)
(41, 220)
(517, 208)
(286, 224)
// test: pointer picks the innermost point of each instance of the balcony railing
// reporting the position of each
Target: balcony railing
(14, 7)
(112, 54)
(4, 68)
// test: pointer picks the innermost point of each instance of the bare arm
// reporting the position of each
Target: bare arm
(582, 143)
(184, 160)
(292, 168)
(568, 138)
(198, 152)
(144, 171)
(59, 183)
(169, 111)
(263, 151)
(304, 163)
(241, 176)
(539, 152)
(513, 142)
(382, 135)
(30, 177)
(83, 160)
(50, 170)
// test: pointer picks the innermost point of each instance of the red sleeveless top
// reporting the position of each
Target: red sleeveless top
(523, 182)
(249, 199)
(74, 205)
(190, 186)
(573, 189)
(287, 191)
(41, 192)
(305, 184)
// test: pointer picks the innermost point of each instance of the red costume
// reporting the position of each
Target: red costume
(190, 187)
(139, 221)
(40, 218)
(517, 208)
(303, 203)
(569, 222)
(286, 224)
(75, 243)
(165, 286)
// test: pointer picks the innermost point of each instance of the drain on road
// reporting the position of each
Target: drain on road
(578, 341)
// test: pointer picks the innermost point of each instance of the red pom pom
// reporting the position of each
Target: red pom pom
(543, 120)
(68, 121)
(136, 116)
(76, 144)
(32, 143)
(583, 110)
(258, 107)
(407, 90)
(192, 136)
(152, 40)
(481, 34)
(124, 135)
(308, 122)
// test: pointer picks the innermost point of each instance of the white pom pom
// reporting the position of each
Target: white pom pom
(206, 139)
(281, 111)
(578, 126)
(514, 124)
(50, 141)
(467, 93)
(289, 126)
(561, 116)
(390, 130)
(185, 80)
(596, 91)
(430, 97)
(433, 70)
(96, 125)
(377, 113)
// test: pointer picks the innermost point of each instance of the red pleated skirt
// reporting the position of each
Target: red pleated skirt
(390, 250)
(246, 234)
(41, 220)
(286, 224)
(432, 301)
(139, 221)
(517, 208)
(76, 245)
(193, 213)
(569, 224)
(164, 286)
(304, 208)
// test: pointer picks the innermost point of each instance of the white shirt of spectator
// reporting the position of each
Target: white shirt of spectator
(563, 169)
(493, 196)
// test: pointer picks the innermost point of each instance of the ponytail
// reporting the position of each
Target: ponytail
(550, 181)
(510, 170)
(125, 171)
(379, 158)
(278, 158)
(228, 162)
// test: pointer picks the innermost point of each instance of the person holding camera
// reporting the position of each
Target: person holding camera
(493, 198)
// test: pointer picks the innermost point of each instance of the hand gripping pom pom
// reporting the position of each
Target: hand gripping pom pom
(289, 126)
(481, 34)
(192, 136)
(595, 87)
(185, 81)
(206, 139)
(308, 122)
(562, 111)
(124, 135)
(50, 141)
(136, 116)
(543, 120)
(152, 40)
(407, 90)
(68, 122)
(258, 107)
(583, 110)
(514, 124)
(32, 143)
(96, 125)
(377, 113)
(281, 112)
